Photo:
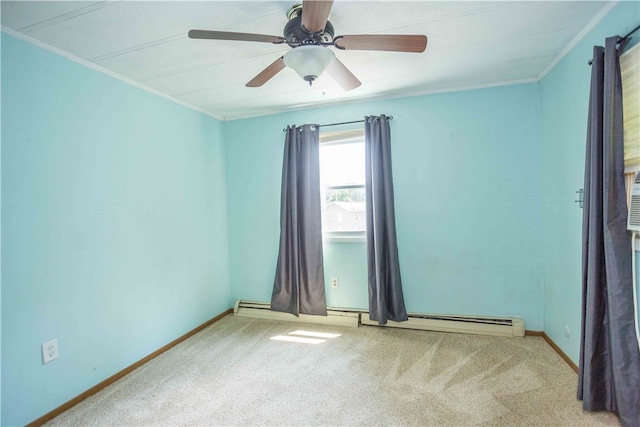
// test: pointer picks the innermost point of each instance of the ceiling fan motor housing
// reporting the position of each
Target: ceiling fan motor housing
(296, 35)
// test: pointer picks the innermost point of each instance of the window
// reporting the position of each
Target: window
(630, 70)
(342, 186)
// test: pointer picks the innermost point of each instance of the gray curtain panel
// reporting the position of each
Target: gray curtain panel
(299, 282)
(609, 376)
(386, 301)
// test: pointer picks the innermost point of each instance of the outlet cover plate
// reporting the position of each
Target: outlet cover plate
(49, 351)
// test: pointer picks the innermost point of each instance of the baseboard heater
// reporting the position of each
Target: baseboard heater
(503, 327)
(262, 310)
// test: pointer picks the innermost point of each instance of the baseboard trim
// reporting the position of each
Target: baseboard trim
(560, 352)
(553, 346)
(96, 388)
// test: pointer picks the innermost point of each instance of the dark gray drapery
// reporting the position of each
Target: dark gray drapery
(609, 376)
(299, 283)
(386, 301)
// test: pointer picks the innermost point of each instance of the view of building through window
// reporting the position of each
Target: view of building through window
(342, 182)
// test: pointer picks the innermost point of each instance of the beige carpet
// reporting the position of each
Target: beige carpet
(232, 373)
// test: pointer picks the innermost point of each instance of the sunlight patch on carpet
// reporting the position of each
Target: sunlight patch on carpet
(297, 339)
(305, 337)
(314, 334)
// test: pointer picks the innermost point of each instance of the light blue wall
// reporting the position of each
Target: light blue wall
(564, 104)
(113, 226)
(467, 173)
(347, 262)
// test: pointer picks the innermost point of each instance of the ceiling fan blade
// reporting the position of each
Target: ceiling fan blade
(388, 42)
(342, 75)
(267, 73)
(315, 14)
(225, 35)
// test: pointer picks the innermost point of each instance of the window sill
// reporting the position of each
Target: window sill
(344, 237)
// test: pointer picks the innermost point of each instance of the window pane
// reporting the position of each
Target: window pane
(343, 210)
(342, 164)
(342, 185)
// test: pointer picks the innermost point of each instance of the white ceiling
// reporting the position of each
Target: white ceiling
(471, 44)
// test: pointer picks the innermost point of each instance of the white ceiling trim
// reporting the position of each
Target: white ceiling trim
(103, 70)
(578, 38)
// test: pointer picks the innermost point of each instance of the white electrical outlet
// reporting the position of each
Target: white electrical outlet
(49, 351)
(334, 282)
(567, 331)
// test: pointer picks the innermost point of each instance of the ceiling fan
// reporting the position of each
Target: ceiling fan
(309, 33)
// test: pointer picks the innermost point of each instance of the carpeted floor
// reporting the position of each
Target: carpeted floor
(232, 373)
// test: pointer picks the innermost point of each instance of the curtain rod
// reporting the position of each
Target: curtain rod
(342, 123)
(629, 33)
(620, 40)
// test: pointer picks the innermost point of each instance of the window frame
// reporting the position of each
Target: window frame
(353, 136)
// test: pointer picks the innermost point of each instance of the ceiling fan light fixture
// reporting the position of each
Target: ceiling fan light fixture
(309, 61)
